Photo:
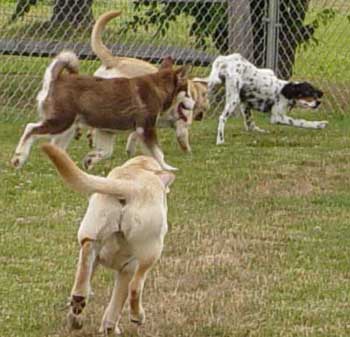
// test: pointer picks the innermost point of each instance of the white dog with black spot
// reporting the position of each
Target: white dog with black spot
(260, 89)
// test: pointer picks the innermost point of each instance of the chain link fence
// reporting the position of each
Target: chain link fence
(300, 39)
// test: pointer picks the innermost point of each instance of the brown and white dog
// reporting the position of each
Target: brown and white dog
(107, 105)
(123, 229)
(177, 117)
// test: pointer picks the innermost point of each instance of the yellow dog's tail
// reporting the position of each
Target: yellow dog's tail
(98, 47)
(82, 182)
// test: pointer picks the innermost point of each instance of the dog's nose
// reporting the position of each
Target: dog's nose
(317, 104)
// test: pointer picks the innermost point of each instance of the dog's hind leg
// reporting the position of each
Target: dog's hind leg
(32, 132)
(62, 140)
(81, 288)
(113, 312)
(104, 144)
(137, 313)
(25, 143)
(229, 108)
(233, 87)
(248, 119)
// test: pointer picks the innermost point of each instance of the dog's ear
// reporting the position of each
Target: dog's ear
(290, 90)
(167, 63)
(294, 90)
(166, 177)
(182, 73)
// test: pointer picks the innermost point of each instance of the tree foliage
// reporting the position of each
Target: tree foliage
(22, 7)
(72, 12)
(210, 20)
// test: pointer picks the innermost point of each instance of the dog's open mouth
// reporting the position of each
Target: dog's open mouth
(308, 102)
(181, 108)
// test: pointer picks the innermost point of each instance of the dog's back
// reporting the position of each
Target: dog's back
(130, 200)
(118, 103)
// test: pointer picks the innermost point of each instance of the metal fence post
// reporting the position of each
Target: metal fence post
(240, 35)
(272, 35)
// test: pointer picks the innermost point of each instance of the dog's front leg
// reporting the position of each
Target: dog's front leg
(132, 144)
(81, 288)
(104, 144)
(182, 135)
(148, 137)
(248, 119)
(112, 314)
(300, 123)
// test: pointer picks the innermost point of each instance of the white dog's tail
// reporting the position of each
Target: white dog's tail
(64, 60)
(82, 182)
(98, 47)
(214, 77)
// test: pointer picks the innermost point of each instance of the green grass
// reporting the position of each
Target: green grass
(258, 242)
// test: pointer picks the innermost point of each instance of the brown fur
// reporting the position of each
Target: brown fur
(118, 104)
(107, 104)
(131, 67)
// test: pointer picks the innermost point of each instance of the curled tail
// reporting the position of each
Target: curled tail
(82, 182)
(98, 47)
(64, 60)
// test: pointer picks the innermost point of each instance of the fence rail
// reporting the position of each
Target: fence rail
(83, 50)
(302, 39)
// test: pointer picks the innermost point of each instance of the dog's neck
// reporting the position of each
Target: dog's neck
(165, 88)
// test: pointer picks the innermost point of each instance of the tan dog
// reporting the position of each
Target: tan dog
(115, 66)
(123, 229)
(107, 105)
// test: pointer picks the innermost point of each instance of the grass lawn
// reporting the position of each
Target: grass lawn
(258, 242)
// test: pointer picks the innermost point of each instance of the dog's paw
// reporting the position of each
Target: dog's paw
(74, 322)
(186, 148)
(17, 160)
(322, 124)
(107, 328)
(220, 141)
(139, 318)
(260, 130)
(89, 162)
